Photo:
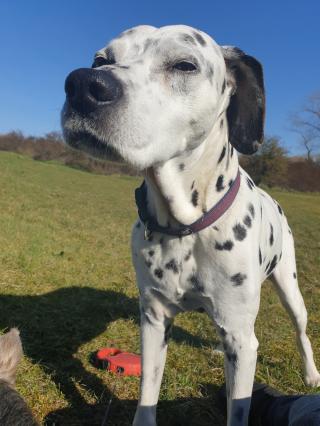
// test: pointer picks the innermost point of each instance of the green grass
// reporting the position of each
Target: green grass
(67, 282)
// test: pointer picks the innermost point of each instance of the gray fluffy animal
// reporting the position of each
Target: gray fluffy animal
(13, 409)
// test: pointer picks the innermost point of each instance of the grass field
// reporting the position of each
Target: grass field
(67, 282)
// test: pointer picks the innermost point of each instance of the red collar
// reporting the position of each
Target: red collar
(206, 220)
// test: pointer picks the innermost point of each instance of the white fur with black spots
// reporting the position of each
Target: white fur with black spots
(177, 105)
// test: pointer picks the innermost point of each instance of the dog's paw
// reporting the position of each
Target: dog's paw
(313, 381)
(145, 416)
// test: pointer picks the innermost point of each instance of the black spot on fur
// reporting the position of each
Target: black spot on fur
(192, 185)
(198, 135)
(222, 332)
(231, 356)
(227, 245)
(221, 123)
(172, 265)
(251, 210)
(223, 153)
(238, 279)
(279, 208)
(261, 211)
(215, 228)
(230, 182)
(149, 42)
(195, 197)
(148, 263)
(187, 38)
(158, 273)
(260, 256)
(151, 253)
(210, 73)
(239, 414)
(181, 166)
(231, 151)
(223, 87)
(131, 31)
(196, 284)
(188, 255)
(289, 230)
(272, 264)
(247, 221)
(219, 184)
(199, 38)
(271, 238)
(239, 232)
(250, 183)
(155, 374)
(294, 275)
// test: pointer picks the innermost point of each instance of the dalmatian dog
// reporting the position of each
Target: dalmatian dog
(178, 106)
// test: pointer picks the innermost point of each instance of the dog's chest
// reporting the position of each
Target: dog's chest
(169, 261)
(172, 270)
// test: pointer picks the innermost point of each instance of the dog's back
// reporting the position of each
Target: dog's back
(13, 409)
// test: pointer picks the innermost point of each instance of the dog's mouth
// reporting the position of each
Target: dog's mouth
(84, 141)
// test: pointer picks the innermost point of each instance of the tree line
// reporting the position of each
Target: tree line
(270, 166)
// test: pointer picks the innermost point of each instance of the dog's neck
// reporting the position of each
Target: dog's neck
(185, 187)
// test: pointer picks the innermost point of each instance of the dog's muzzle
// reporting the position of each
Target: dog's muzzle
(89, 89)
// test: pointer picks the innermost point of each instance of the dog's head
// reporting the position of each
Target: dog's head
(153, 94)
(10, 355)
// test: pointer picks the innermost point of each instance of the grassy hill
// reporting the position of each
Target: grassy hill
(67, 282)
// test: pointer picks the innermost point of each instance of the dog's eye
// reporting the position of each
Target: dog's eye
(99, 61)
(185, 66)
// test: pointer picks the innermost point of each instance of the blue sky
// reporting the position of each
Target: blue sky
(42, 41)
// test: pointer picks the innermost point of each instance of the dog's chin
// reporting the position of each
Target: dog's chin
(84, 141)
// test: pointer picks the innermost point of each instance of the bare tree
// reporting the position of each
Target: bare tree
(307, 124)
(54, 136)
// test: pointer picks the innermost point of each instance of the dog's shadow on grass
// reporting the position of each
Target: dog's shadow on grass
(54, 325)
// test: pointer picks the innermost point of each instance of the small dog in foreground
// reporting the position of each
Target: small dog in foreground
(13, 409)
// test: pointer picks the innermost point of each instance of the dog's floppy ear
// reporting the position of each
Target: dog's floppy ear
(246, 110)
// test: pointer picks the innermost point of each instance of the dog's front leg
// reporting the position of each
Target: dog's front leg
(155, 329)
(240, 357)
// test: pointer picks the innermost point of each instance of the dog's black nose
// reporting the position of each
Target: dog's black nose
(88, 88)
